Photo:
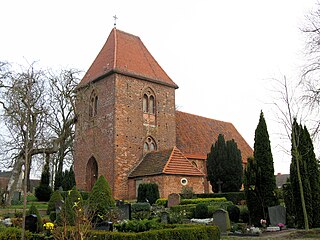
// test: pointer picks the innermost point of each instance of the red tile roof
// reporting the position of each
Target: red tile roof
(196, 134)
(170, 162)
(125, 54)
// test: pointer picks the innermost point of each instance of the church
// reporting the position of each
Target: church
(129, 130)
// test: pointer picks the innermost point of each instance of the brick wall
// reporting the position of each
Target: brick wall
(169, 184)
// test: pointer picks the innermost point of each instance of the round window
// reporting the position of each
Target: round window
(184, 181)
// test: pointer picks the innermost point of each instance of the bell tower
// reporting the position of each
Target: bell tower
(125, 108)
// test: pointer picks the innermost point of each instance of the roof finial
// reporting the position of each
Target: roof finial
(115, 20)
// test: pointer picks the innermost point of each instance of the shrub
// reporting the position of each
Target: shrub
(187, 192)
(137, 207)
(148, 192)
(43, 192)
(234, 213)
(244, 214)
(55, 197)
(73, 199)
(13, 233)
(185, 232)
(235, 197)
(162, 202)
(100, 199)
(202, 200)
(139, 225)
(201, 211)
(33, 210)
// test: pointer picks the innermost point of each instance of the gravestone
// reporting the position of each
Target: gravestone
(277, 215)
(106, 226)
(124, 211)
(164, 217)
(16, 197)
(221, 219)
(58, 206)
(173, 199)
(31, 223)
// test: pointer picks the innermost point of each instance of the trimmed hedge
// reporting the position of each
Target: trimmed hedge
(202, 200)
(140, 206)
(13, 233)
(235, 197)
(192, 232)
(162, 202)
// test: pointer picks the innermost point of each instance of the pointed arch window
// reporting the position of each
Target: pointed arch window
(93, 105)
(149, 145)
(149, 107)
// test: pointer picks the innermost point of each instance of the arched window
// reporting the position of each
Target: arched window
(145, 103)
(93, 105)
(149, 145)
(148, 102)
(151, 105)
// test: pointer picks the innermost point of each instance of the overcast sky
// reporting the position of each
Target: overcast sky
(222, 54)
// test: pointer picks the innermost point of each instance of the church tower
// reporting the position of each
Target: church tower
(125, 109)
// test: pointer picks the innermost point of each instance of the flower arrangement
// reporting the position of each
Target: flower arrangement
(48, 226)
(263, 222)
(280, 225)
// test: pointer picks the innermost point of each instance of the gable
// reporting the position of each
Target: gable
(196, 134)
(125, 54)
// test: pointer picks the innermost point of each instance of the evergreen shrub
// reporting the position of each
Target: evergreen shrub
(55, 197)
(73, 199)
(140, 206)
(234, 213)
(43, 192)
(162, 202)
(13, 233)
(201, 211)
(235, 197)
(100, 200)
(185, 232)
(202, 200)
(148, 192)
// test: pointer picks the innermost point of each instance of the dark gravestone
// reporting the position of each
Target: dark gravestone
(106, 226)
(277, 215)
(31, 223)
(173, 199)
(124, 211)
(221, 219)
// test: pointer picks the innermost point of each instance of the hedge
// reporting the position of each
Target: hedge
(235, 197)
(162, 202)
(192, 232)
(202, 200)
(13, 233)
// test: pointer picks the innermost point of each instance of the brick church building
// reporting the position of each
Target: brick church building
(129, 130)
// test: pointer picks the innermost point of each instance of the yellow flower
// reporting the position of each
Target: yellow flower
(48, 226)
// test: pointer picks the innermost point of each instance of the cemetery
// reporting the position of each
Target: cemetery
(75, 214)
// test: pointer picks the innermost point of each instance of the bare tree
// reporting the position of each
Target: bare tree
(311, 71)
(287, 113)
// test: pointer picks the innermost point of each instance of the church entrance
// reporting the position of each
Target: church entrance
(91, 173)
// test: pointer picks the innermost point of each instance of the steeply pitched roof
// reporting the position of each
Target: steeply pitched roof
(169, 161)
(196, 134)
(125, 53)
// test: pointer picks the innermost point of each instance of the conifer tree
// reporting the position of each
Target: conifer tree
(43, 191)
(224, 165)
(265, 180)
(100, 199)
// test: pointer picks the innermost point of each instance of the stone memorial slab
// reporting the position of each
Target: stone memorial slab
(221, 219)
(124, 211)
(174, 199)
(31, 223)
(277, 215)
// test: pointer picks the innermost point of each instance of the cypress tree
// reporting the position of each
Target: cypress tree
(265, 180)
(215, 160)
(43, 191)
(255, 210)
(233, 167)
(224, 164)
